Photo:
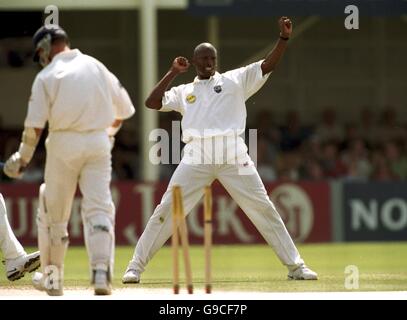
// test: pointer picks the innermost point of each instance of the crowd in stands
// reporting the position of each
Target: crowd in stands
(367, 150)
(373, 148)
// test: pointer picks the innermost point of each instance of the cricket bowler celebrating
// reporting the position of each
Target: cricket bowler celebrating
(84, 105)
(213, 108)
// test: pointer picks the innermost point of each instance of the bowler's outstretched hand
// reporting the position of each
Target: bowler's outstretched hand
(286, 27)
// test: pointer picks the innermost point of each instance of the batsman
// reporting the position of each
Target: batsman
(84, 105)
(213, 110)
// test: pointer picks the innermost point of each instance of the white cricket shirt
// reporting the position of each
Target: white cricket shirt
(216, 106)
(76, 92)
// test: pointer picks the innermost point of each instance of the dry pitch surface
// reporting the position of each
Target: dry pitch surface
(27, 293)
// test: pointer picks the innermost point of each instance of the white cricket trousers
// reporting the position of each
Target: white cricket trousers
(10, 246)
(247, 190)
(84, 159)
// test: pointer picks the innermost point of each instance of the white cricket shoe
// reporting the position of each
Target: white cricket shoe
(131, 276)
(16, 268)
(101, 283)
(38, 281)
(302, 273)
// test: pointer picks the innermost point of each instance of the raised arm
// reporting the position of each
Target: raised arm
(274, 56)
(179, 65)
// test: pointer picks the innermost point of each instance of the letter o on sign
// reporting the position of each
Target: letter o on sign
(388, 218)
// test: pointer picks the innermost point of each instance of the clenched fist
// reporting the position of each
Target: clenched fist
(286, 27)
(180, 65)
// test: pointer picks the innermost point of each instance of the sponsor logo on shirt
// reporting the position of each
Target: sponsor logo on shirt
(191, 98)
(217, 89)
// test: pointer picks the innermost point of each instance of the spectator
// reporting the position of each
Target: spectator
(357, 161)
(266, 127)
(329, 129)
(351, 134)
(397, 161)
(268, 130)
(389, 129)
(332, 163)
(264, 163)
(312, 148)
(367, 129)
(124, 155)
(381, 169)
(312, 170)
(293, 134)
(288, 165)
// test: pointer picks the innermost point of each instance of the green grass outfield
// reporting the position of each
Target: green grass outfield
(382, 267)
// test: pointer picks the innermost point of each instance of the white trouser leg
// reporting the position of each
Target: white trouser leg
(192, 179)
(249, 193)
(9, 244)
(98, 212)
(61, 175)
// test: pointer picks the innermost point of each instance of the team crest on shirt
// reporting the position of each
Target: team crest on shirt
(217, 89)
(191, 98)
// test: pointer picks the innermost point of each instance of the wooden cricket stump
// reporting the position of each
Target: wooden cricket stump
(208, 237)
(180, 231)
(175, 242)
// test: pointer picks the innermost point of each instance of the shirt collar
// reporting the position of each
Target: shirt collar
(214, 77)
(66, 54)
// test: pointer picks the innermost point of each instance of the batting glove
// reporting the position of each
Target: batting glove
(13, 166)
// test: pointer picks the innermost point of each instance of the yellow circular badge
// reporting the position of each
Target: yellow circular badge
(191, 98)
